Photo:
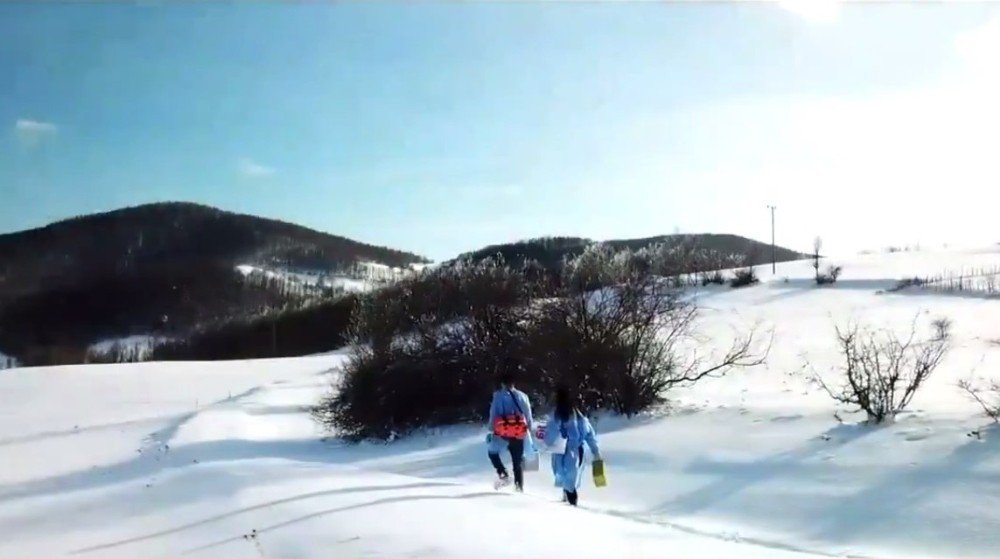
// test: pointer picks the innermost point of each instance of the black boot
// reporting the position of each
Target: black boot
(498, 465)
(571, 497)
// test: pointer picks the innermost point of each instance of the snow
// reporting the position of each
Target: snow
(163, 459)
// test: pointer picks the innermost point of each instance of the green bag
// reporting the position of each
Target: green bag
(597, 469)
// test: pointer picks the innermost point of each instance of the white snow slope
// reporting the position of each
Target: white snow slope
(222, 459)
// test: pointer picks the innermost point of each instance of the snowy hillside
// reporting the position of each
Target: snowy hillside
(222, 459)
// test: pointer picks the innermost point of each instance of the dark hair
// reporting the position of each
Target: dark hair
(507, 378)
(565, 404)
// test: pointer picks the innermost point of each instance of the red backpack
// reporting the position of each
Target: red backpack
(512, 426)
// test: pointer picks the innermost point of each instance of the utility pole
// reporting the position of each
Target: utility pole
(774, 258)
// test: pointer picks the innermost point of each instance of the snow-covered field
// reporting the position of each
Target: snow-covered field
(222, 459)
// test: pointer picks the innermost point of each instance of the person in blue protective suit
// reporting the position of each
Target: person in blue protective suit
(510, 428)
(569, 423)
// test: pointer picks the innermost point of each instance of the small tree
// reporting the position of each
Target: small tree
(987, 395)
(882, 372)
(817, 245)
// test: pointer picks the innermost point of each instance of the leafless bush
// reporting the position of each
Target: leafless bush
(713, 278)
(942, 328)
(881, 371)
(830, 276)
(744, 277)
(987, 395)
(625, 346)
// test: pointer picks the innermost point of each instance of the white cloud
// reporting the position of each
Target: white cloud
(254, 170)
(818, 11)
(32, 132)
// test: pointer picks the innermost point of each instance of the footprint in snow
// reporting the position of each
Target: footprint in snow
(915, 435)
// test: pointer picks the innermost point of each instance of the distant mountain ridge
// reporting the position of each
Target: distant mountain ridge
(550, 251)
(159, 269)
(152, 234)
(179, 271)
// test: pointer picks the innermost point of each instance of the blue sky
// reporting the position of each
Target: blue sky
(439, 128)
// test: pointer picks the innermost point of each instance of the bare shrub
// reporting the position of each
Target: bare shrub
(881, 371)
(831, 275)
(987, 395)
(942, 328)
(713, 278)
(744, 277)
(624, 346)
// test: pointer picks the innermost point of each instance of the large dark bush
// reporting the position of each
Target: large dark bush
(429, 350)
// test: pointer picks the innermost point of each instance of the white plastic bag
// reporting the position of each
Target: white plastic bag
(531, 461)
(530, 455)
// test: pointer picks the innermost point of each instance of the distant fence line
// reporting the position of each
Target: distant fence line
(976, 280)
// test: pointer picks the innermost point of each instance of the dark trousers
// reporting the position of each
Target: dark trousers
(516, 448)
